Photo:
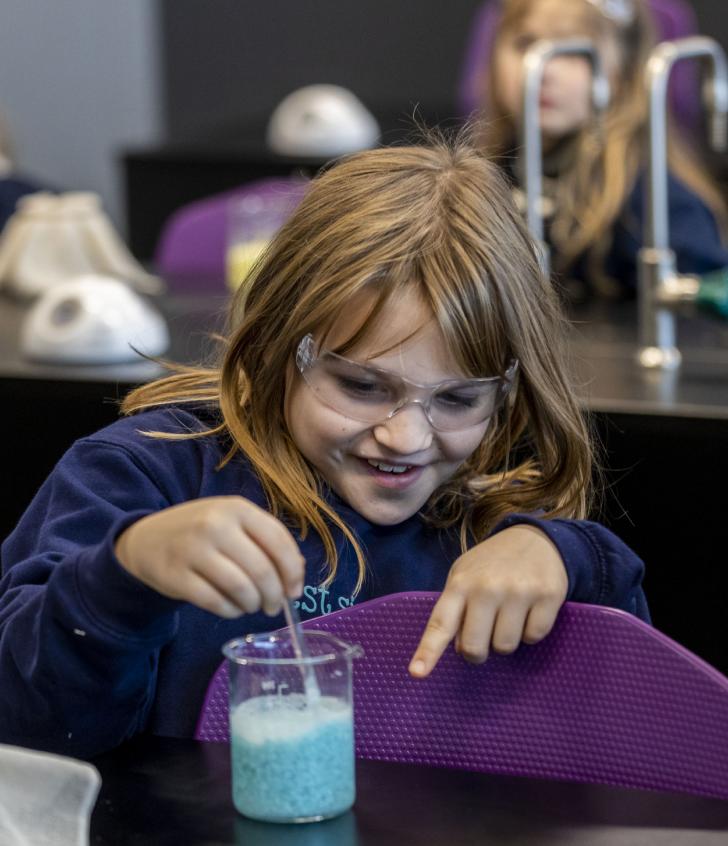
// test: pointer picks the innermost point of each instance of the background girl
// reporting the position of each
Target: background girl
(593, 175)
(391, 411)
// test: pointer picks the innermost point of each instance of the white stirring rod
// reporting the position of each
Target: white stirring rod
(310, 683)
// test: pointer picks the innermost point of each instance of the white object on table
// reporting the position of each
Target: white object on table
(45, 800)
(52, 238)
(93, 319)
(321, 120)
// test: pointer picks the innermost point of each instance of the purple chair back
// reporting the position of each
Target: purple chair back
(604, 698)
(673, 19)
(192, 244)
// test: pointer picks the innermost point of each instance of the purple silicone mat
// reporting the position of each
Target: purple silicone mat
(604, 698)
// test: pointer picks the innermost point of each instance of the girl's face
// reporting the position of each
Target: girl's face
(565, 104)
(360, 460)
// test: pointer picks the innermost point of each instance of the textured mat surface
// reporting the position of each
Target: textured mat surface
(604, 698)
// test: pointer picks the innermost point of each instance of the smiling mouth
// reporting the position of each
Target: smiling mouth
(389, 468)
(396, 477)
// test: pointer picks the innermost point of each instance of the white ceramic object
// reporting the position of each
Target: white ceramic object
(45, 798)
(321, 120)
(93, 319)
(51, 239)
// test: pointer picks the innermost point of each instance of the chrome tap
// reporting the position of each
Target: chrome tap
(534, 62)
(660, 287)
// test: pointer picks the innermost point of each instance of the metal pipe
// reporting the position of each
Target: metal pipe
(534, 62)
(657, 72)
(658, 279)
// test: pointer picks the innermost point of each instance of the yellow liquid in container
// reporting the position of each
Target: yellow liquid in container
(240, 258)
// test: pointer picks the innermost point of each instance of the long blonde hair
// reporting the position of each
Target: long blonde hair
(438, 218)
(603, 162)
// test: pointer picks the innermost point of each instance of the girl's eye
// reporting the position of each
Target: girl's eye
(455, 401)
(361, 388)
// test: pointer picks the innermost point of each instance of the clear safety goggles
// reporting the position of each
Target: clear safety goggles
(372, 395)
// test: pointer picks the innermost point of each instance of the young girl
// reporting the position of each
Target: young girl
(594, 174)
(391, 413)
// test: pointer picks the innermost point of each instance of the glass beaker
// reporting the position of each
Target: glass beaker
(292, 749)
(252, 221)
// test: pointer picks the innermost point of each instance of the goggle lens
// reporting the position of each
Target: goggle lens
(372, 395)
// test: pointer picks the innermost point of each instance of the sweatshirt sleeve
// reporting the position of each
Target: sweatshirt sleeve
(602, 569)
(694, 233)
(79, 636)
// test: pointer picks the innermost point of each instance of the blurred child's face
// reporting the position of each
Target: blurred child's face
(360, 460)
(566, 91)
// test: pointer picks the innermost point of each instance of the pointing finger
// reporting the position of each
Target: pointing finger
(442, 626)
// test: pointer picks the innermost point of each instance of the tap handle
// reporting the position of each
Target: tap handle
(715, 97)
(600, 90)
(715, 93)
(719, 131)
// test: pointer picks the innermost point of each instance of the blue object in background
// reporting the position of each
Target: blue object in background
(12, 188)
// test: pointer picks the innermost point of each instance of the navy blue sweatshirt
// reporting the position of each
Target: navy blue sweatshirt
(694, 234)
(694, 237)
(90, 656)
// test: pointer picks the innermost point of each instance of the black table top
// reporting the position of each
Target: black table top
(603, 348)
(190, 319)
(167, 791)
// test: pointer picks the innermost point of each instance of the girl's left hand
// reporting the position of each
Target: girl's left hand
(505, 590)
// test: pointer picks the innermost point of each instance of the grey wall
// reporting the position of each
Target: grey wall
(79, 79)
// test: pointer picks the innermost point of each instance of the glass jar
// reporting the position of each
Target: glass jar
(291, 726)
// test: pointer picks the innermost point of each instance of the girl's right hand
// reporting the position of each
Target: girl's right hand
(223, 554)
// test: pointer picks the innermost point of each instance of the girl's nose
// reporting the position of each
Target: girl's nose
(406, 432)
